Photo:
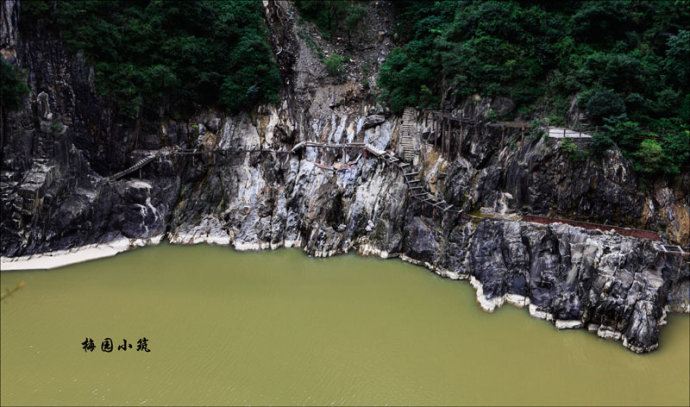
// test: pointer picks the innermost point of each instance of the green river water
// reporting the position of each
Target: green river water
(281, 328)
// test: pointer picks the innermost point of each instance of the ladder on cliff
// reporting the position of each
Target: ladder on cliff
(151, 157)
(408, 131)
(137, 166)
(414, 184)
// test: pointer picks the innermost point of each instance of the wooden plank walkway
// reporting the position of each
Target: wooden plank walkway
(670, 248)
(418, 191)
(632, 232)
(558, 132)
(441, 115)
(411, 181)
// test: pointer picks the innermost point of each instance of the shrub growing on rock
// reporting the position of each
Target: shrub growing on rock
(604, 103)
(650, 157)
(12, 86)
(335, 65)
(571, 150)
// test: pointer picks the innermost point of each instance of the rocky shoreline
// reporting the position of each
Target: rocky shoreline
(56, 259)
(80, 254)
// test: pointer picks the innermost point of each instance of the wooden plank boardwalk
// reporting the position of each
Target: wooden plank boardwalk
(632, 232)
(559, 132)
(418, 191)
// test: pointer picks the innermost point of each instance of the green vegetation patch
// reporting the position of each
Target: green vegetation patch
(335, 65)
(627, 60)
(174, 55)
(334, 17)
(12, 86)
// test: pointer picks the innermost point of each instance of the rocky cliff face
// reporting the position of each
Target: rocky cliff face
(249, 190)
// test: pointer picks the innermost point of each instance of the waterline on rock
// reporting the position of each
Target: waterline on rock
(58, 259)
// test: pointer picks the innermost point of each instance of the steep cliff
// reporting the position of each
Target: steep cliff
(245, 186)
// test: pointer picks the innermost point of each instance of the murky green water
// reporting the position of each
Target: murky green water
(278, 327)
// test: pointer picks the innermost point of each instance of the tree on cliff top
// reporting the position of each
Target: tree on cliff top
(621, 57)
(333, 16)
(177, 55)
(12, 86)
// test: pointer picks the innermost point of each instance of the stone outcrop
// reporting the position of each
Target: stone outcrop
(246, 189)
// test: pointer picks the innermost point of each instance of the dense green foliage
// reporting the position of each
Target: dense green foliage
(12, 86)
(333, 16)
(627, 60)
(169, 55)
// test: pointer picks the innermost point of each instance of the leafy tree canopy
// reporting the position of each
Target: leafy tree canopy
(177, 55)
(627, 60)
(12, 86)
(333, 16)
